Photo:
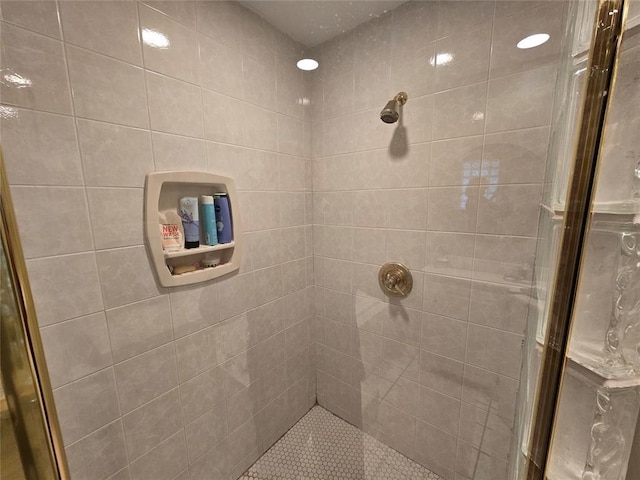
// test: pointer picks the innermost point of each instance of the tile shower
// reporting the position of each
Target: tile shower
(199, 382)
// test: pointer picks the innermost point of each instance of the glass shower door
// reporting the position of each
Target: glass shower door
(593, 421)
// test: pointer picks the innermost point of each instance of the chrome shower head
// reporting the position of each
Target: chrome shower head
(390, 112)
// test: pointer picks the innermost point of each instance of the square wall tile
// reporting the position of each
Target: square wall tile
(180, 58)
(110, 28)
(118, 97)
(521, 100)
(52, 137)
(99, 454)
(87, 404)
(463, 57)
(114, 155)
(39, 16)
(53, 278)
(45, 209)
(152, 423)
(138, 327)
(116, 216)
(39, 60)
(76, 348)
(125, 276)
(145, 377)
(174, 106)
(460, 112)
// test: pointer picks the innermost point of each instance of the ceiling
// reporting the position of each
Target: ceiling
(312, 22)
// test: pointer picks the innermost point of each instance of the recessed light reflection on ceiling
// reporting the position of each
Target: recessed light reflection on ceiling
(155, 39)
(307, 64)
(532, 41)
(441, 59)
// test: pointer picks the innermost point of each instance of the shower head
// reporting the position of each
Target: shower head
(390, 112)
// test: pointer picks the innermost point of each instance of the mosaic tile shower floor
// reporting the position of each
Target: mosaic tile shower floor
(321, 446)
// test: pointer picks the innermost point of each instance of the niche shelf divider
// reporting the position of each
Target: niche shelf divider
(162, 193)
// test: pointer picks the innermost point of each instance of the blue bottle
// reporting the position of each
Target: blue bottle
(208, 222)
(223, 218)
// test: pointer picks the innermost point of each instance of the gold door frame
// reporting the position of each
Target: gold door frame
(602, 61)
(27, 326)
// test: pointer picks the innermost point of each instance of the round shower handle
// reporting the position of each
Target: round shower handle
(395, 280)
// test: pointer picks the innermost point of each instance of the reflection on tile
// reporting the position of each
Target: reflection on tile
(453, 209)
(415, 72)
(507, 58)
(110, 28)
(463, 58)
(179, 58)
(118, 97)
(459, 112)
(37, 62)
(456, 161)
(515, 157)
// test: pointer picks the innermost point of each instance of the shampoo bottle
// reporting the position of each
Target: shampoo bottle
(190, 221)
(223, 218)
(209, 229)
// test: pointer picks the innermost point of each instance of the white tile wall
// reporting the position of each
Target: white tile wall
(453, 191)
(149, 382)
(197, 382)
